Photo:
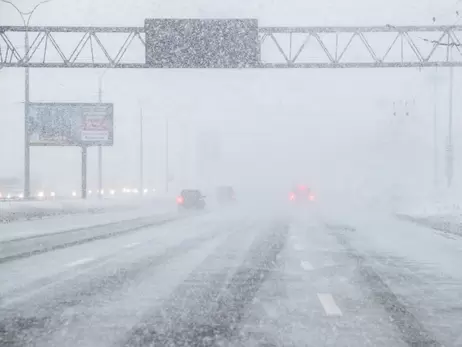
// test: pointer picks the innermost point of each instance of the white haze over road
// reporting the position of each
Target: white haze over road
(331, 269)
(333, 129)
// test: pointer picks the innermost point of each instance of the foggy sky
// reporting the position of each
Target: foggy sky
(329, 128)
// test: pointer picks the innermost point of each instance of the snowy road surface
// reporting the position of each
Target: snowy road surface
(237, 278)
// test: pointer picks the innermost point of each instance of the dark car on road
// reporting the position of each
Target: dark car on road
(225, 195)
(191, 199)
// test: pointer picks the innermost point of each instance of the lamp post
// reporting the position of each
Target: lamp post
(435, 131)
(450, 45)
(100, 148)
(167, 154)
(141, 150)
(26, 92)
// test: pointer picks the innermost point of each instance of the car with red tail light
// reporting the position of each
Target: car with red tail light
(301, 194)
(190, 199)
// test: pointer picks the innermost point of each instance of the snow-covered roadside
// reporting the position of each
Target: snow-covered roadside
(26, 210)
(62, 223)
(441, 212)
(451, 223)
(437, 210)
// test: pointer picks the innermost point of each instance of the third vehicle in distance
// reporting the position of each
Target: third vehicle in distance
(225, 195)
(301, 194)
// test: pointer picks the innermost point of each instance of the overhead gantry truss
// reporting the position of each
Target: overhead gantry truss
(280, 47)
(73, 47)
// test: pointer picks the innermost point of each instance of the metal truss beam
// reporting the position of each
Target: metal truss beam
(281, 47)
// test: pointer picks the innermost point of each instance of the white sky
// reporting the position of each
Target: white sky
(331, 128)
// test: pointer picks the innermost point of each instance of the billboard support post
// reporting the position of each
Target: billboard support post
(84, 172)
(100, 148)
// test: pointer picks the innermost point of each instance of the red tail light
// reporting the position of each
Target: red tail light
(311, 197)
(180, 200)
(292, 196)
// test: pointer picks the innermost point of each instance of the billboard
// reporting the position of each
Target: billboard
(64, 124)
(202, 43)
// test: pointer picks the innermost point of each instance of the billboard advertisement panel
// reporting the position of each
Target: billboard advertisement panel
(70, 124)
(202, 43)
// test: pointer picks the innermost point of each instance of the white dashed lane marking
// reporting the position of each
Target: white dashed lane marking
(131, 245)
(306, 265)
(329, 305)
(80, 262)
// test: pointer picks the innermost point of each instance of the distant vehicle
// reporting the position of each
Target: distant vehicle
(226, 195)
(12, 194)
(190, 199)
(11, 188)
(301, 194)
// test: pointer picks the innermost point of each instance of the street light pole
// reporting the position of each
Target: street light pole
(166, 155)
(100, 148)
(435, 131)
(450, 149)
(26, 120)
(26, 92)
(141, 154)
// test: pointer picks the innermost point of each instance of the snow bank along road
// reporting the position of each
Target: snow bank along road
(32, 210)
(235, 277)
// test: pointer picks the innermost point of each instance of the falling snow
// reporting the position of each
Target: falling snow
(245, 173)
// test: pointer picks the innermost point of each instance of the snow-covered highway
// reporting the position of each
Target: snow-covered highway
(235, 277)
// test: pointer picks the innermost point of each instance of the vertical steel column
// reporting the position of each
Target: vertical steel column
(84, 172)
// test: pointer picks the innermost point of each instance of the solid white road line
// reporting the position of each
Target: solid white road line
(306, 265)
(130, 245)
(80, 262)
(329, 305)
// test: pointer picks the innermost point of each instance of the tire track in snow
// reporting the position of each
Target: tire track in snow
(23, 324)
(412, 331)
(207, 309)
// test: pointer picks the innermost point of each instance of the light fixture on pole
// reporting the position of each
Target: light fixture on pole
(26, 92)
